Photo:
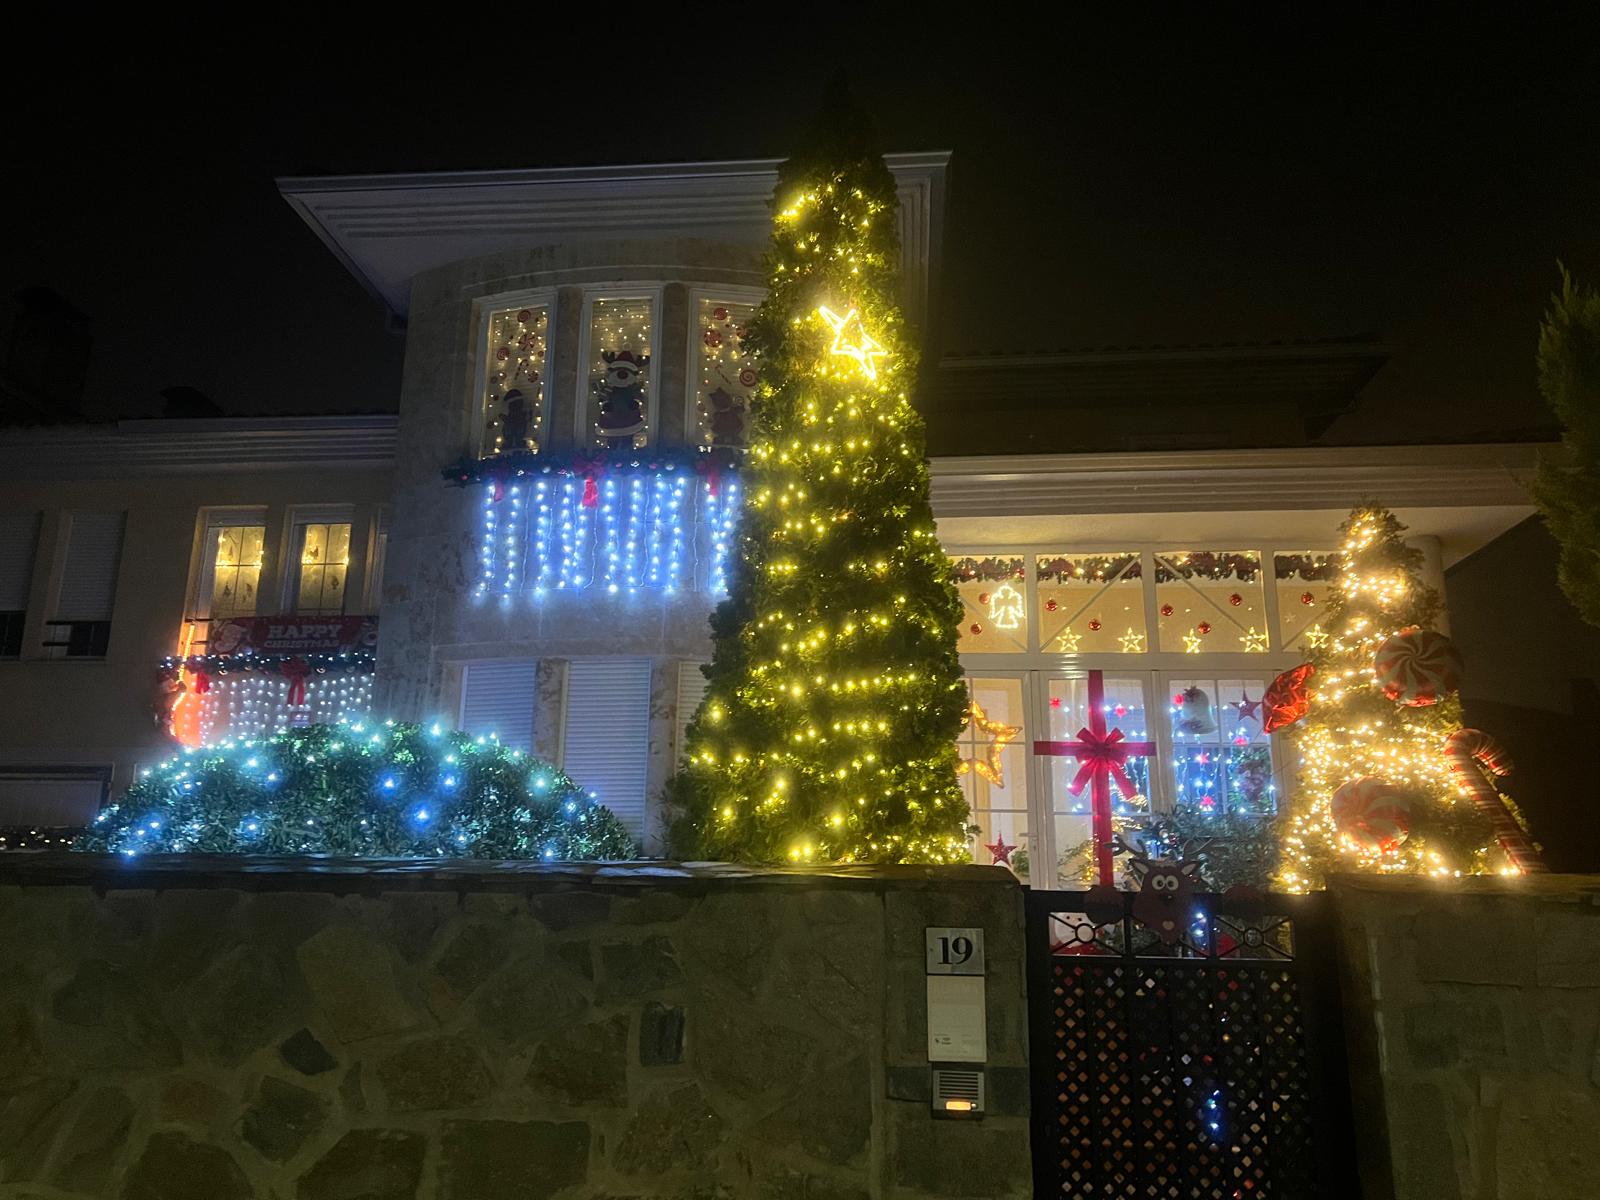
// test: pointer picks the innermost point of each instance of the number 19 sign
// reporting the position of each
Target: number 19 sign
(954, 951)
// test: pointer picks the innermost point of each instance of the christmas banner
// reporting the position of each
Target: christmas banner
(293, 635)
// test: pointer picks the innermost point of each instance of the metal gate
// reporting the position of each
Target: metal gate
(1207, 1069)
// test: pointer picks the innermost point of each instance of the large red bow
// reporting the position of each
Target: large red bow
(295, 671)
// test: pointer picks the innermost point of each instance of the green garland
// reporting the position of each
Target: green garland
(361, 790)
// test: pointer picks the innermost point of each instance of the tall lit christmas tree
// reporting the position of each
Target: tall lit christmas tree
(835, 693)
(1377, 791)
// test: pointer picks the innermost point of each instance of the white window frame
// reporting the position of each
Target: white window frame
(485, 307)
(299, 517)
(653, 292)
(691, 374)
(204, 573)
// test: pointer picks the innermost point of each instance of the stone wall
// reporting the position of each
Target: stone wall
(1473, 1013)
(200, 1032)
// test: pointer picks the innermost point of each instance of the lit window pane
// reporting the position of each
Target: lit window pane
(1221, 757)
(236, 570)
(726, 381)
(324, 557)
(1072, 812)
(1211, 602)
(994, 616)
(1304, 582)
(993, 753)
(514, 387)
(1091, 604)
(619, 378)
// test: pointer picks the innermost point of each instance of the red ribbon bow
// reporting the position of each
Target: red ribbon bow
(202, 682)
(295, 671)
(1102, 752)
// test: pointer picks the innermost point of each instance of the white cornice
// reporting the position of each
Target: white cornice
(1312, 477)
(167, 447)
(387, 229)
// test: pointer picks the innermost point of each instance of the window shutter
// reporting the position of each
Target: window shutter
(606, 737)
(691, 691)
(19, 542)
(89, 580)
(498, 697)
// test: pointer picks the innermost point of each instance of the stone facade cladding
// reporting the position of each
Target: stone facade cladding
(1473, 1022)
(216, 1030)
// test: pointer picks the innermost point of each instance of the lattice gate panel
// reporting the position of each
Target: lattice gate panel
(1179, 1078)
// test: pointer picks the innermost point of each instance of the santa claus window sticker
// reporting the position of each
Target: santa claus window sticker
(724, 372)
(618, 408)
(516, 367)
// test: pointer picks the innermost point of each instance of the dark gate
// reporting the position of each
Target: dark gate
(1210, 1068)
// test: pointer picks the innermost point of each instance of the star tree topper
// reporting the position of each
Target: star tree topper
(850, 338)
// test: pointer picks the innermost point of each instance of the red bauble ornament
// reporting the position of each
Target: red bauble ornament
(1418, 667)
(1287, 698)
(983, 597)
(503, 353)
(1203, 628)
(1094, 624)
(1307, 599)
(975, 627)
(712, 338)
(525, 316)
(1236, 599)
(1050, 606)
(1166, 610)
(720, 313)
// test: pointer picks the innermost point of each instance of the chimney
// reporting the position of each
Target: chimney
(47, 359)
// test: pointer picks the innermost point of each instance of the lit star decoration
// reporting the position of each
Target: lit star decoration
(850, 338)
(1131, 643)
(1315, 637)
(1191, 643)
(999, 851)
(1352, 731)
(991, 765)
(835, 694)
(1253, 639)
(1069, 639)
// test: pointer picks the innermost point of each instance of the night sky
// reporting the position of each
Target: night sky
(1210, 177)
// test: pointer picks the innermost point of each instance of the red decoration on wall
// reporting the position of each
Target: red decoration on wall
(1101, 753)
(1287, 698)
(1094, 624)
(1050, 606)
(983, 597)
(1235, 599)
(1308, 599)
(975, 627)
(1203, 628)
(1166, 610)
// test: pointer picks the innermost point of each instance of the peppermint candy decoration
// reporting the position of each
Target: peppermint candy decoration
(1418, 667)
(1371, 813)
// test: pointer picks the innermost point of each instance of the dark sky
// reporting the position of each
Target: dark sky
(1213, 176)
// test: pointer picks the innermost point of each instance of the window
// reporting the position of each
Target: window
(516, 354)
(618, 407)
(1092, 603)
(725, 373)
(19, 544)
(606, 733)
(1304, 581)
(380, 558)
(994, 772)
(498, 698)
(52, 797)
(994, 610)
(1221, 758)
(323, 554)
(1071, 813)
(230, 567)
(691, 691)
(1211, 602)
(81, 627)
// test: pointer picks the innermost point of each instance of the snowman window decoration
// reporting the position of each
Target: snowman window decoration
(620, 422)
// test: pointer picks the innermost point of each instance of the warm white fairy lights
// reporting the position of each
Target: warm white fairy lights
(640, 530)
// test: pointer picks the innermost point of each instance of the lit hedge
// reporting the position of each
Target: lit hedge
(360, 790)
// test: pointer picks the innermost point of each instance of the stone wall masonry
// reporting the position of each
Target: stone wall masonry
(1473, 1020)
(208, 1030)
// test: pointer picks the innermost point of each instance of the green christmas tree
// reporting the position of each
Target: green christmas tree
(1405, 815)
(360, 790)
(1569, 494)
(835, 692)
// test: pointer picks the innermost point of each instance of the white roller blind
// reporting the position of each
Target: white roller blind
(89, 579)
(497, 697)
(606, 739)
(691, 691)
(19, 542)
(49, 800)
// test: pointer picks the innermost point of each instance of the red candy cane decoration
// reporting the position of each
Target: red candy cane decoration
(1474, 755)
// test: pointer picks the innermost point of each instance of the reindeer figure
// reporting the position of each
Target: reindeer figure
(1164, 904)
